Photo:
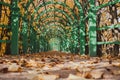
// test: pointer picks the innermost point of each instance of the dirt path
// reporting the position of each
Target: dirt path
(59, 66)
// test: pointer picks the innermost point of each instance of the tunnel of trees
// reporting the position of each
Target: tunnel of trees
(76, 26)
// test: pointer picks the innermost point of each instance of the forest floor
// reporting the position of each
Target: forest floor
(55, 65)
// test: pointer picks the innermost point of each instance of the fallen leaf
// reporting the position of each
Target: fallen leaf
(97, 73)
(31, 63)
(14, 67)
(74, 77)
(45, 77)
